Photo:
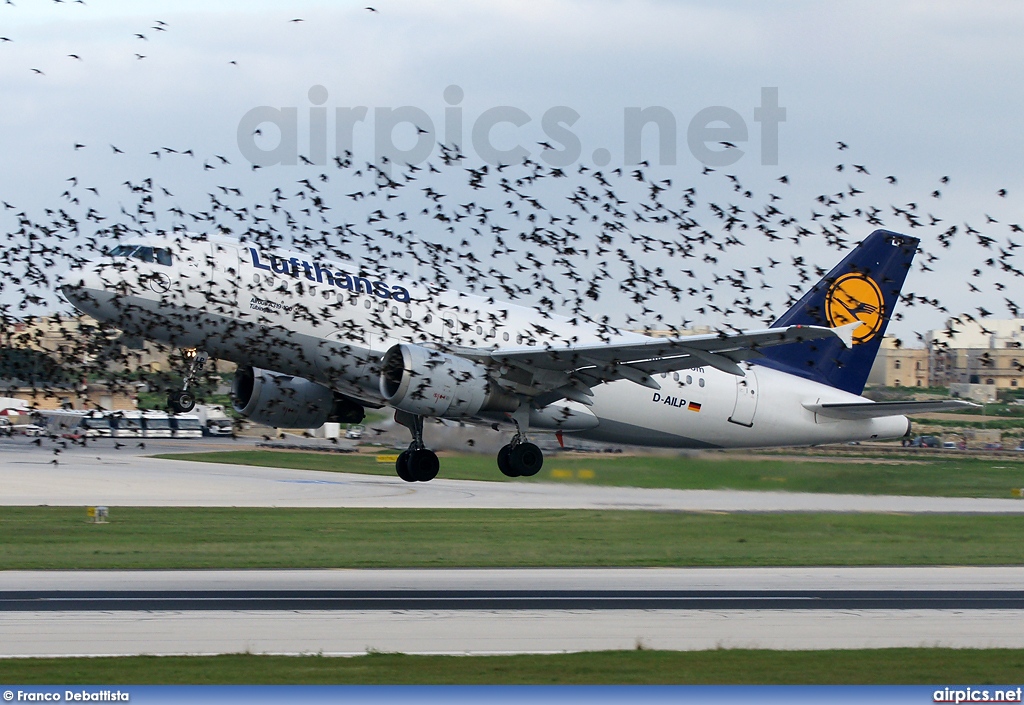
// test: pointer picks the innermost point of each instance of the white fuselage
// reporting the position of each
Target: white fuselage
(309, 316)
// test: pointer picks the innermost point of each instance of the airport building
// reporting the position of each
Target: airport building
(978, 360)
(897, 366)
(78, 340)
(70, 346)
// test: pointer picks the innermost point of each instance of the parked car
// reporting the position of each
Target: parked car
(926, 442)
(993, 446)
(948, 444)
(355, 431)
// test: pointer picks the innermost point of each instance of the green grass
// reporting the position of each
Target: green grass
(998, 424)
(58, 538)
(876, 667)
(953, 477)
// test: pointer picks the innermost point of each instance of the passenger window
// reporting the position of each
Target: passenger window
(504, 336)
(163, 256)
(689, 379)
(701, 382)
(366, 304)
(122, 251)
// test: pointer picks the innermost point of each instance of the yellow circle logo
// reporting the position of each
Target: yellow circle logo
(856, 297)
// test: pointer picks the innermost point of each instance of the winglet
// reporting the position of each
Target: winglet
(845, 332)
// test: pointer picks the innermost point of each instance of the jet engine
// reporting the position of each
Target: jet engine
(428, 382)
(284, 401)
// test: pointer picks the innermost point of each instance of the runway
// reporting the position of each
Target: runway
(344, 612)
(101, 475)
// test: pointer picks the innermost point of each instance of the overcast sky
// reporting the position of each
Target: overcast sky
(918, 90)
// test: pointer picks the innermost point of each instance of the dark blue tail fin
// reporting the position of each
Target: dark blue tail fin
(863, 287)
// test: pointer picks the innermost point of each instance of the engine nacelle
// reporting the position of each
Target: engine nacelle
(284, 401)
(428, 382)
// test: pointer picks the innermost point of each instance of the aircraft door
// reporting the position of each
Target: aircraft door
(194, 265)
(746, 398)
(224, 282)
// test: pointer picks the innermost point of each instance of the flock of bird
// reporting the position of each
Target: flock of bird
(631, 247)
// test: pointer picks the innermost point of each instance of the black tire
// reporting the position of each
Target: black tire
(504, 464)
(402, 467)
(527, 459)
(181, 402)
(423, 465)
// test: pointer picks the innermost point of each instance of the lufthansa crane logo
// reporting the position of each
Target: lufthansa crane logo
(856, 297)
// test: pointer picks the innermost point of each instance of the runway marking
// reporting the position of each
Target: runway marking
(427, 600)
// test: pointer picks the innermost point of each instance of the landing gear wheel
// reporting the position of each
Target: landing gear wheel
(503, 462)
(527, 459)
(423, 465)
(402, 466)
(181, 402)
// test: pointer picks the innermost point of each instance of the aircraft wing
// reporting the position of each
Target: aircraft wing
(877, 409)
(552, 373)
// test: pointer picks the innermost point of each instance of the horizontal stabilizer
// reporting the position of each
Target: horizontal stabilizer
(877, 409)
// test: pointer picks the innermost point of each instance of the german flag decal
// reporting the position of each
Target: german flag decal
(693, 406)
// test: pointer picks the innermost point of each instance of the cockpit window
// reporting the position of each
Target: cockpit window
(159, 255)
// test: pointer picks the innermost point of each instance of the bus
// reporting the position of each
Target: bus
(156, 424)
(75, 423)
(126, 424)
(186, 426)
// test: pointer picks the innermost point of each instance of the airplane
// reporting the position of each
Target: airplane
(316, 340)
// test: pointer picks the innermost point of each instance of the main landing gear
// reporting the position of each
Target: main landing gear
(183, 401)
(520, 458)
(419, 463)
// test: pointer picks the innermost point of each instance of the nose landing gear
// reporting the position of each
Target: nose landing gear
(183, 401)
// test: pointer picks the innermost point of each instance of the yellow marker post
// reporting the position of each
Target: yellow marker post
(387, 458)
